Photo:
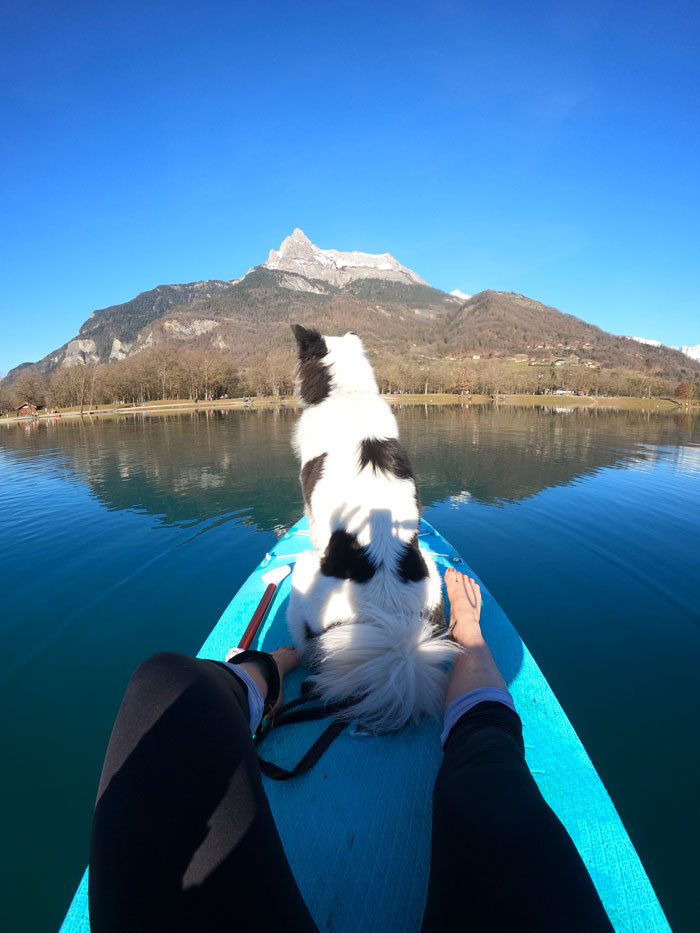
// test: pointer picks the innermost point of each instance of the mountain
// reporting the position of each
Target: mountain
(298, 254)
(395, 311)
(113, 333)
(299, 282)
(498, 323)
(692, 352)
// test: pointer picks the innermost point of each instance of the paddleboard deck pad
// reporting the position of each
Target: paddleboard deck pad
(356, 828)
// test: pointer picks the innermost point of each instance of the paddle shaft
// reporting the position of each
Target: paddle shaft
(257, 618)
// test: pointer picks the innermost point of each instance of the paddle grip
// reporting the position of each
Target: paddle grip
(257, 618)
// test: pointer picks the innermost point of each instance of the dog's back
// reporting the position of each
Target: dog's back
(365, 602)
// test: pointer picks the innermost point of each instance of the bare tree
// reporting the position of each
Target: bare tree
(29, 388)
(164, 362)
(256, 376)
(279, 366)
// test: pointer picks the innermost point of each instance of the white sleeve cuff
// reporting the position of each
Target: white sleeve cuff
(256, 704)
(462, 704)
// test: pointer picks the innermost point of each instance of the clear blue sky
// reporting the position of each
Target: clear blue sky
(549, 148)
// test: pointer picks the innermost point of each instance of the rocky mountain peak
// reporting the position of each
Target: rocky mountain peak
(298, 254)
(296, 246)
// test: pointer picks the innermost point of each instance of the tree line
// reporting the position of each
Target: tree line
(158, 373)
(499, 376)
(154, 374)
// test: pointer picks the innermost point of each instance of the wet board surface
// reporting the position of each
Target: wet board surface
(356, 828)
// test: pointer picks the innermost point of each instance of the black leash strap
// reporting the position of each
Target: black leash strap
(288, 715)
(271, 770)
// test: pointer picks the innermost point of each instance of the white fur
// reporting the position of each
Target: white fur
(374, 640)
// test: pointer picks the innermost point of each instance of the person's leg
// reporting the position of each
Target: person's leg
(500, 860)
(183, 837)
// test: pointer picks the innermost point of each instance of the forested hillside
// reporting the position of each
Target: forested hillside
(218, 337)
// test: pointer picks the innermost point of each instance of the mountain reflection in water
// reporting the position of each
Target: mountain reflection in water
(217, 464)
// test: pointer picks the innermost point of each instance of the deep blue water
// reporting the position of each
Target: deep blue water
(120, 538)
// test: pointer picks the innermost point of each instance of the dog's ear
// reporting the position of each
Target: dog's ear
(311, 343)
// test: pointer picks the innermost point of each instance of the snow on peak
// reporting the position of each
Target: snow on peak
(462, 295)
(298, 254)
(649, 343)
(692, 352)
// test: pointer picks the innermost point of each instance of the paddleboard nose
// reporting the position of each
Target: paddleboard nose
(276, 575)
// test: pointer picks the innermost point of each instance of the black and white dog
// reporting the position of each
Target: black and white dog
(366, 604)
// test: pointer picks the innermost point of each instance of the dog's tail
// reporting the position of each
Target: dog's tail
(393, 667)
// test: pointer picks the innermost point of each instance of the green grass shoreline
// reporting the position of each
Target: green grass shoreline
(623, 403)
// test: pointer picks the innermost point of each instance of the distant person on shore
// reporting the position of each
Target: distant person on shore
(183, 836)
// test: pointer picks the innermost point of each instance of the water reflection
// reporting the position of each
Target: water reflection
(195, 467)
(182, 469)
(505, 454)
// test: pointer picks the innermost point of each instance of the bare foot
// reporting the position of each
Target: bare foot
(464, 596)
(475, 667)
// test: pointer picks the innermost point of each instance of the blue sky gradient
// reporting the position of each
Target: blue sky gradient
(546, 148)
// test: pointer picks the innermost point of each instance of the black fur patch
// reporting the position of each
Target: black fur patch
(385, 454)
(314, 382)
(313, 375)
(310, 342)
(312, 655)
(346, 559)
(311, 473)
(437, 618)
(411, 565)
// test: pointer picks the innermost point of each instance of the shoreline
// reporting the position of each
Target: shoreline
(621, 403)
(179, 406)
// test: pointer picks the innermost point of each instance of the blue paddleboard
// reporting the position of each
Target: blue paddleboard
(356, 828)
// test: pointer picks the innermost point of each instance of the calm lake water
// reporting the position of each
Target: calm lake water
(120, 538)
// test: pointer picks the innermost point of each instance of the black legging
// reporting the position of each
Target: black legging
(183, 838)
